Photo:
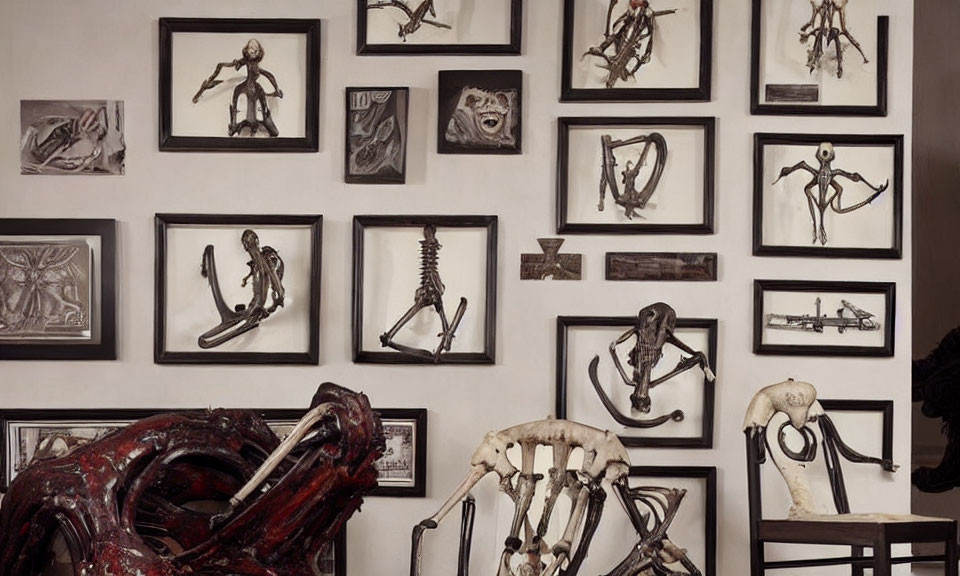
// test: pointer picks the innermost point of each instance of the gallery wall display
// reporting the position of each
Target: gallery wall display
(376, 136)
(239, 85)
(662, 266)
(838, 67)
(71, 137)
(480, 112)
(237, 289)
(551, 263)
(828, 195)
(424, 289)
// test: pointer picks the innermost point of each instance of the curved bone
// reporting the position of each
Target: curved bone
(798, 400)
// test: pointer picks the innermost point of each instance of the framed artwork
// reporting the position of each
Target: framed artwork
(803, 318)
(239, 85)
(460, 27)
(58, 289)
(838, 67)
(654, 175)
(376, 136)
(680, 410)
(480, 112)
(637, 51)
(661, 266)
(71, 137)
(237, 289)
(828, 195)
(424, 289)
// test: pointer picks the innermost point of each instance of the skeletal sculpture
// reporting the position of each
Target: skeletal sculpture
(265, 276)
(630, 198)
(430, 293)
(415, 16)
(825, 31)
(626, 35)
(255, 95)
(605, 459)
(825, 178)
(861, 320)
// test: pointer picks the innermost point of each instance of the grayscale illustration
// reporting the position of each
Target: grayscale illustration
(71, 137)
(45, 442)
(630, 198)
(848, 317)
(397, 462)
(376, 135)
(416, 17)
(627, 41)
(484, 119)
(828, 24)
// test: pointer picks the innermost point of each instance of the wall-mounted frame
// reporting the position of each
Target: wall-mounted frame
(387, 258)
(480, 112)
(680, 54)
(193, 49)
(654, 175)
(813, 318)
(69, 269)
(661, 266)
(840, 408)
(782, 81)
(458, 27)
(189, 317)
(864, 221)
(581, 338)
(375, 138)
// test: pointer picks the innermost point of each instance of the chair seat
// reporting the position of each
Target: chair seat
(855, 529)
(879, 518)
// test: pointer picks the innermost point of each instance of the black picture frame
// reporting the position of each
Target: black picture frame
(450, 85)
(700, 93)
(887, 289)
(882, 407)
(706, 226)
(704, 440)
(399, 178)
(758, 109)
(513, 47)
(309, 142)
(419, 417)
(489, 223)
(163, 356)
(104, 346)
(762, 140)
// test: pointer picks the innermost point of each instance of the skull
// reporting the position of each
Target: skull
(253, 51)
(826, 153)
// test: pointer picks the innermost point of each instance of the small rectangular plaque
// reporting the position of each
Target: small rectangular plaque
(662, 266)
(793, 93)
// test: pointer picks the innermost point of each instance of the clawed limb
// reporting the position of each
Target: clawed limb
(415, 17)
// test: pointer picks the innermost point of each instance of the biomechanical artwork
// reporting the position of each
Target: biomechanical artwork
(47, 441)
(827, 25)
(936, 383)
(662, 266)
(377, 135)
(480, 111)
(550, 264)
(848, 317)
(627, 40)
(71, 137)
(204, 492)
(45, 290)
(397, 464)
(416, 12)
(255, 96)
(632, 197)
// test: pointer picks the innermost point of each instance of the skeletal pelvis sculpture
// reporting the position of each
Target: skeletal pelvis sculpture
(605, 459)
(626, 35)
(214, 493)
(823, 29)
(631, 198)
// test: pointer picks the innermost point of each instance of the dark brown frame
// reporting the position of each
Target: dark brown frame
(309, 142)
(66, 349)
(705, 440)
(487, 79)
(761, 140)
(360, 223)
(160, 353)
(374, 179)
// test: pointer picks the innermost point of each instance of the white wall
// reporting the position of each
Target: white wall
(108, 49)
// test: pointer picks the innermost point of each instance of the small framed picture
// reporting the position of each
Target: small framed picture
(838, 67)
(793, 317)
(654, 175)
(638, 50)
(828, 195)
(58, 289)
(376, 138)
(240, 85)
(462, 27)
(237, 289)
(480, 112)
(424, 289)
(71, 137)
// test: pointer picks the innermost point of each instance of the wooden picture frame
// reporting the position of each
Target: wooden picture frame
(384, 174)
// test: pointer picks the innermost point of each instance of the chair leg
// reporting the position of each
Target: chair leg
(881, 558)
(950, 564)
(856, 569)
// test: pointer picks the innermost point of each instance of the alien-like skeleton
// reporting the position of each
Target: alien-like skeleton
(825, 179)
(430, 293)
(265, 277)
(415, 16)
(250, 87)
(825, 31)
(631, 199)
(626, 35)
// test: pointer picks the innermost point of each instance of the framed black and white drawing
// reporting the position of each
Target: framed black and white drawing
(480, 112)
(637, 50)
(237, 289)
(239, 85)
(635, 175)
(590, 388)
(838, 67)
(794, 317)
(71, 137)
(828, 195)
(424, 289)
(460, 27)
(376, 136)
(58, 289)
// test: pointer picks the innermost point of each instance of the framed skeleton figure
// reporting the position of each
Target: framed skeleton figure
(424, 289)
(237, 289)
(239, 85)
(71, 137)
(637, 50)
(480, 112)
(838, 67)
(793, 317)
(635, 175)
(439, 26)
(376, 136)
(58, 289)
(828, 195)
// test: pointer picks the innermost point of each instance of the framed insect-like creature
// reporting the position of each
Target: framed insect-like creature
(376, 136)
(480, 112)
(828, 195)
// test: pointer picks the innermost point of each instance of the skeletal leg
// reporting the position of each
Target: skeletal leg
(558, 475)
(594, 512)
(449, 329)
(849, 36)
(233, 129)
(561, 550)
(812, 204)
(526, 485)
(387, 337)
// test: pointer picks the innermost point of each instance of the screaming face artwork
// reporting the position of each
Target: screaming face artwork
(627, 41)
(480, 111)
(71, 137)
